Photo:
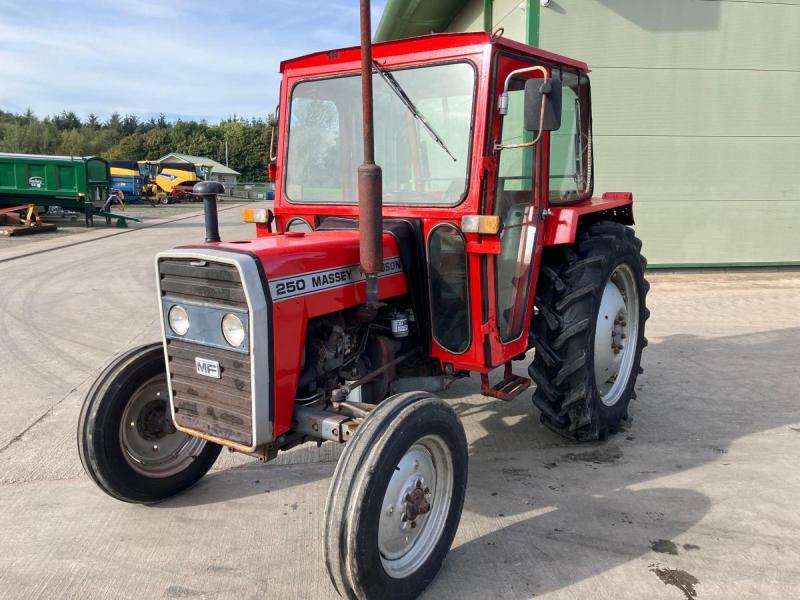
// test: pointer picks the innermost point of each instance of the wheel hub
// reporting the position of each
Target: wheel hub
(415, 506)
(407, 501)
(615, 335)
(153, 422)
(149, 441)
(417, 503)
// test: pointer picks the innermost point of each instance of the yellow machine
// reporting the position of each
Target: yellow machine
(176, 178)
(136, 180)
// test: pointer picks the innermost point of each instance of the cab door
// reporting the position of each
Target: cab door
(516, 197)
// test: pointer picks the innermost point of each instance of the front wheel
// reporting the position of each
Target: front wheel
(395, 499)
(127, 441)
(589, 334)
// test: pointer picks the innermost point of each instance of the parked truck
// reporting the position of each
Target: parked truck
(468, 235)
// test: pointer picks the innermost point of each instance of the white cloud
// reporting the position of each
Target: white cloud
(198, 59)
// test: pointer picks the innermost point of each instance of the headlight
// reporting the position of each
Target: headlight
(233, 330)
(178, 320)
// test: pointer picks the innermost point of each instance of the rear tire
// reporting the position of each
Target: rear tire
(395, 499)
(126, 440)
(590, 295)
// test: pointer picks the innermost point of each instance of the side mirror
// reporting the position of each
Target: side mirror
(272, 171)
(542, 104)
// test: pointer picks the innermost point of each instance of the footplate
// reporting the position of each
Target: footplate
(509, 388)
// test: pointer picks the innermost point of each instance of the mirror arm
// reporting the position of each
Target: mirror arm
(502, 102)
(498, 147)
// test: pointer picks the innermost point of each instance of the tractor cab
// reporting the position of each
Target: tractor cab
(466, 160)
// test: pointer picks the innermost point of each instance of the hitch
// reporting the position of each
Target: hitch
(509, 388)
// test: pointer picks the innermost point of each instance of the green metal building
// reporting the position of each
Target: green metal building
(695, 111)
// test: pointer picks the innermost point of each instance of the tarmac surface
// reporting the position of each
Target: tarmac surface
(697, 498)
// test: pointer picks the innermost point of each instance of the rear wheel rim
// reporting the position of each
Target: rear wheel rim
(415, 506)
(616, 335)
(150, 443)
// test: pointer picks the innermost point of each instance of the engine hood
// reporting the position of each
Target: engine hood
(299, 264)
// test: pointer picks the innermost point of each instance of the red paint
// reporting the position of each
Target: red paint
(284, 255)
(561, 226)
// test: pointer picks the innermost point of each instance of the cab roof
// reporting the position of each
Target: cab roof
(431, 45)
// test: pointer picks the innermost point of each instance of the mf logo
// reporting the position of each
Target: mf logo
(209, 368)
(35, 182)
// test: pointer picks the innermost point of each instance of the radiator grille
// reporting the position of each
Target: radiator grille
(218, 407)
(202, 281)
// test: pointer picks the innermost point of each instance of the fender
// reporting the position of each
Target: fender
(561, 225)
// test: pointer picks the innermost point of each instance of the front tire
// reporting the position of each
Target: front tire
(126, 439)
(395, 499)
(589, 334)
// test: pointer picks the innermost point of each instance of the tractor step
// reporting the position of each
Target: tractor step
(509, 388)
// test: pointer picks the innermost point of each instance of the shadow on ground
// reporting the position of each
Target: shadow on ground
(572, 511)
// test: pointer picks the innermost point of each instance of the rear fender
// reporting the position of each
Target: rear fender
(561, 225)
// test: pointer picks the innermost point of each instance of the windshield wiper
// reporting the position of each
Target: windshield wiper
(392, 82)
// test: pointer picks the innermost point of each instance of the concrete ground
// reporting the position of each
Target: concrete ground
(697, 498)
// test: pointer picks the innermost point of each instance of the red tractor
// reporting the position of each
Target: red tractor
(476, 240)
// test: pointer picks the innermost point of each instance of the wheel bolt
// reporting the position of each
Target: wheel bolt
(390, 510)
(155, 447)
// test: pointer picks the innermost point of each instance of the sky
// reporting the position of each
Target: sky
(188, 59)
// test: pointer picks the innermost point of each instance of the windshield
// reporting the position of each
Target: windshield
(325, 136)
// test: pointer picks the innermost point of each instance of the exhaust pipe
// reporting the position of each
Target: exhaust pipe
(370, 195)
(208, 190)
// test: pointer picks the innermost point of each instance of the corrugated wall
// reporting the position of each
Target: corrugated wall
(695, 105)
(508, 14)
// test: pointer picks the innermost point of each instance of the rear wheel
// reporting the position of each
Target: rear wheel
(589, 334)
(395, 499)
(126, 438)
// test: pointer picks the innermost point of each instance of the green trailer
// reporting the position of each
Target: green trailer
(79, 183)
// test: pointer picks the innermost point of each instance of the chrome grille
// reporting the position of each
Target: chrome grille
(222, 408)
(202, 281)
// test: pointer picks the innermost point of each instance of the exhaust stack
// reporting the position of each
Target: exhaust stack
(208, 190)
(370, 195)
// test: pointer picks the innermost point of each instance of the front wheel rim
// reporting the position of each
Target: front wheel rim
(415, 506)
(149, 441)
(616, 335)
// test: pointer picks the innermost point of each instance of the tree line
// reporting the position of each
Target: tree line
(129, 138)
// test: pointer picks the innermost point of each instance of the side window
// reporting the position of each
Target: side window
(570, 156)
(515, 169)
(449, 288)
(514, 206)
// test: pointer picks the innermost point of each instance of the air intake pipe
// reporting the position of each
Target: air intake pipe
(370, 209)
(208, 191)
